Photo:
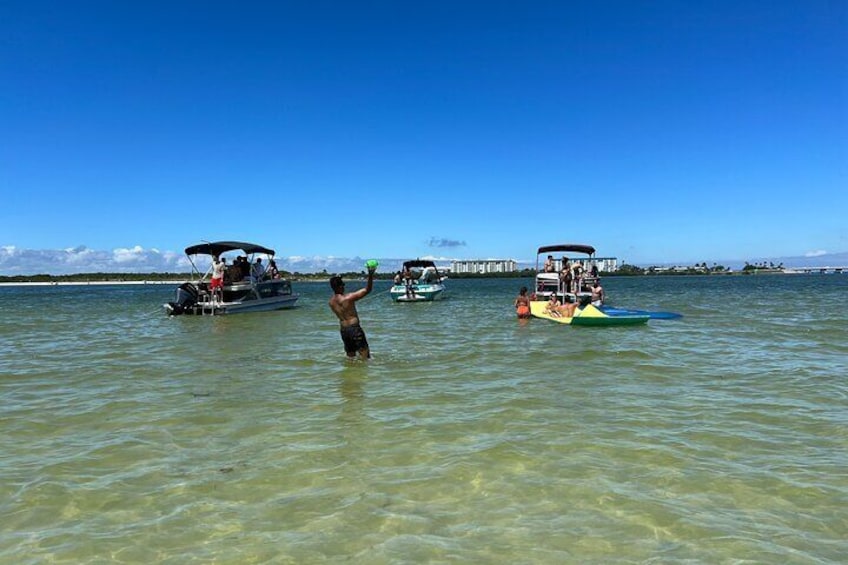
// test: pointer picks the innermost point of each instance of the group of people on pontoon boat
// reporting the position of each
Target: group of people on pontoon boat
(573, 276)
(241, 269)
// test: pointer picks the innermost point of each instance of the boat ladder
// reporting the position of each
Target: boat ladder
(209, 305)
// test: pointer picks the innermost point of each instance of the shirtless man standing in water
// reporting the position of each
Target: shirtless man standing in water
(344, 307)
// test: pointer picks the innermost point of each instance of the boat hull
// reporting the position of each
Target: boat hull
(605, 321)
(195, 299)
(261, 305)
(215, 308)
(419, 293)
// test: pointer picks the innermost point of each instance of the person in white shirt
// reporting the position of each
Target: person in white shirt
(216, 284)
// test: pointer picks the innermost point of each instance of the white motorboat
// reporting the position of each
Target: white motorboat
(245, 289)
(426, 286)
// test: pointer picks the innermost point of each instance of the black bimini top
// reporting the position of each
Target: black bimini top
(418, 264)
(218, 247)
(573, 247)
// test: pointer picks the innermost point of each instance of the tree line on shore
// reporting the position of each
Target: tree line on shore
(623, 271)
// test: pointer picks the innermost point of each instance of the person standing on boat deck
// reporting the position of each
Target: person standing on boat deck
(344, 307)
(597, 294)
(565, 275)
(549, 264)
(578, 277)
(216, 283)
(407, 279)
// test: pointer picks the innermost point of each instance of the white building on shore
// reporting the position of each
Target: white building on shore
(485, 266)
(482, 266)
(604, 264)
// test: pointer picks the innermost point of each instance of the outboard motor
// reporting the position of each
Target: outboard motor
(187, 295)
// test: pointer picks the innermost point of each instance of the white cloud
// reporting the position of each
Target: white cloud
(80, 259)
(435, 259)
(137, 259)
(815, 253)
(121, 255)
(80, 256)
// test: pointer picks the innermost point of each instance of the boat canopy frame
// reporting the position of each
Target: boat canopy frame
(218, 247)
(566, 247)
(422, 264)
(545, 280)
(419, 264)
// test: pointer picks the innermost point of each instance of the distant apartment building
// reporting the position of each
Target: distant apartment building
(605, 264)
(482, 266)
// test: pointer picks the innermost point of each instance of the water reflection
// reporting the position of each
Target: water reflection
(352, 390)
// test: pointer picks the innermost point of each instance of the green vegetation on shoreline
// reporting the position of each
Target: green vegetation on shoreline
(624, 271)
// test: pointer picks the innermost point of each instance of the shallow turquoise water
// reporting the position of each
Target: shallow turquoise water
(471, 437)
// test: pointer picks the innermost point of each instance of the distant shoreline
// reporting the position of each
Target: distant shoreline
(357, 276)
(86, 283)
(123, 283)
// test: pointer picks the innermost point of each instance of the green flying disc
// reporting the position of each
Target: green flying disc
(371, 264)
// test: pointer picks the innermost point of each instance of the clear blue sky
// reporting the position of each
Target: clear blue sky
(656, 131)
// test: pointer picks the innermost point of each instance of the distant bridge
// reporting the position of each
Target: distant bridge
(821, 270)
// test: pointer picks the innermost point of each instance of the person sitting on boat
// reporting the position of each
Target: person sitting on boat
(398, 278)
(553, 305)
(232, 274)
(244, 267)
(273, 272)
(597, 294)
(216, 283)
(257, 271)
(568, 308)
(428, 275)
(549, 264)
(522, 303)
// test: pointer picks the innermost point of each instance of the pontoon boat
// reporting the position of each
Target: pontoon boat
(249, 285)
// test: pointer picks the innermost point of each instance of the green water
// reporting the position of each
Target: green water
(471, 437)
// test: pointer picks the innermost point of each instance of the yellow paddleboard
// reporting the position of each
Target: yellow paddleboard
(586, 316)
(590, 311)
(537, 308)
